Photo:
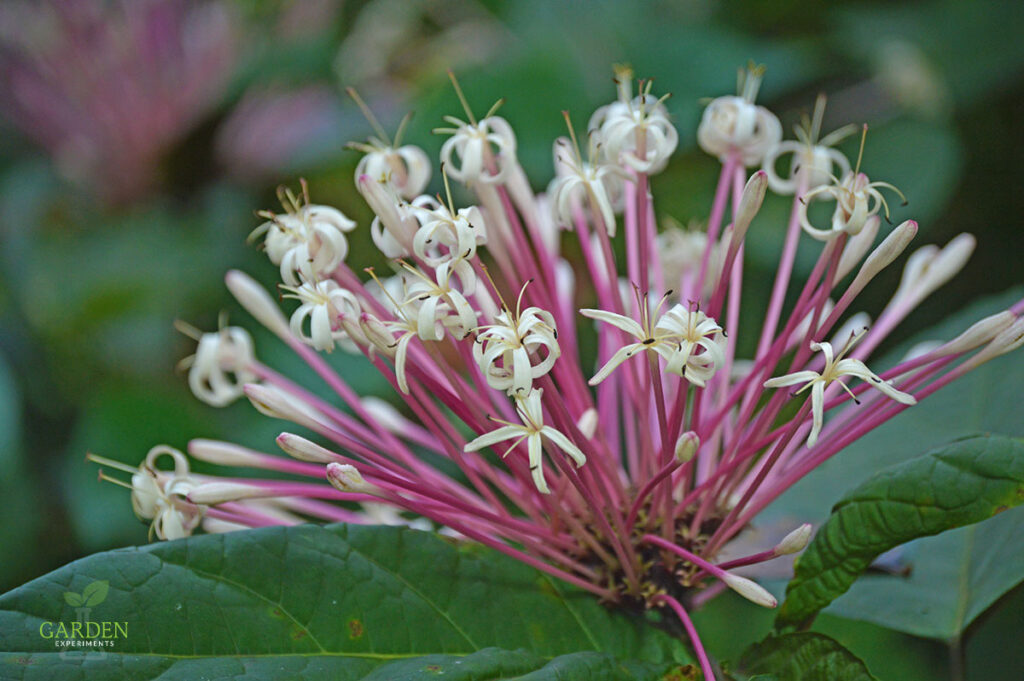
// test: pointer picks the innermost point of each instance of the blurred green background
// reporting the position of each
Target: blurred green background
(137, 139)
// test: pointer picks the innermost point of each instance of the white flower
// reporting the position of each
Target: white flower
(534, 432)
(734, 124)
(835, 368)
(472, 143)
(812, 158)
(324, 304)
(308, 240)
(504, 349)
(406, 168)
(219, 369)
(438, 305)
(444, 236)
(160, 497)
(382, 335)
(659, 339)
(624, 125)
(693, 331)
(857, 199)
(575, 181)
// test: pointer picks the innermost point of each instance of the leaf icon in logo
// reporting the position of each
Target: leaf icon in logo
(73, 599)
(95, 593)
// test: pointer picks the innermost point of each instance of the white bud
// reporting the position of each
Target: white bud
(796, 541)
(979, 333)
(258, 303)
(750, 203)
(211, 493)
(276, 403)
(302, 449)
(883, 256)
(686, 446)
(223, 453)
(857, 245)
(587, 423)
(950, 260)
(218, 526)
(346, 478)
(1007, 340)
(752, 591)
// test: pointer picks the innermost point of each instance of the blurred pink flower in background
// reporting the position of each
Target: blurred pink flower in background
(108, 87)
(273, 128)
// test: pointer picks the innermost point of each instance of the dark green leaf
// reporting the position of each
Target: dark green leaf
(342, 602)
(960, 484)
(804, 657)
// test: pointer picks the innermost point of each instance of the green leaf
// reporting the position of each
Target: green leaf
(73, 599)
(341, 602)
(954, 576)
(804, 657)
(960, 484)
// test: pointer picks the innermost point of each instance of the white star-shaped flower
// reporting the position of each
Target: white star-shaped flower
(534, 432)
(835, 368)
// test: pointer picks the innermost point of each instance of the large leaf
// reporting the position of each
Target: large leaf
(963, 483)
(956, 575)
(342, 602)
(804, 657)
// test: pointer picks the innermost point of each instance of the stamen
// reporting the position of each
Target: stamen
(462, 97)
(370, 118)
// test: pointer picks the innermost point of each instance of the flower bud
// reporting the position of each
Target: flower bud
(979, 333)
(258, 303)
(302, 449)
(750, 203)
(346, 478)
(588, 423)
(224, 453)
(1007, 340)
(795, 542)
(883, 256)
(686, 446)
(752, 591)
(278, 404)
(857, 245)
(212, 493)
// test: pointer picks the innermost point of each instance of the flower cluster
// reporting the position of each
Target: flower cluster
(628, 477)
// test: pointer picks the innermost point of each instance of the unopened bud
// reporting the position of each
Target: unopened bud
(750, 203)
(211, 493)
(950, 260)
(1007, 340)
(794, 542)
(223, 453)
(588, 423)
(345, 478)
(979, 333)
(857, 245)
(258, 303)
(930, 267)
(686, 446)
(890, 249)
(302, 449)
(752, 591)
(274, 402)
